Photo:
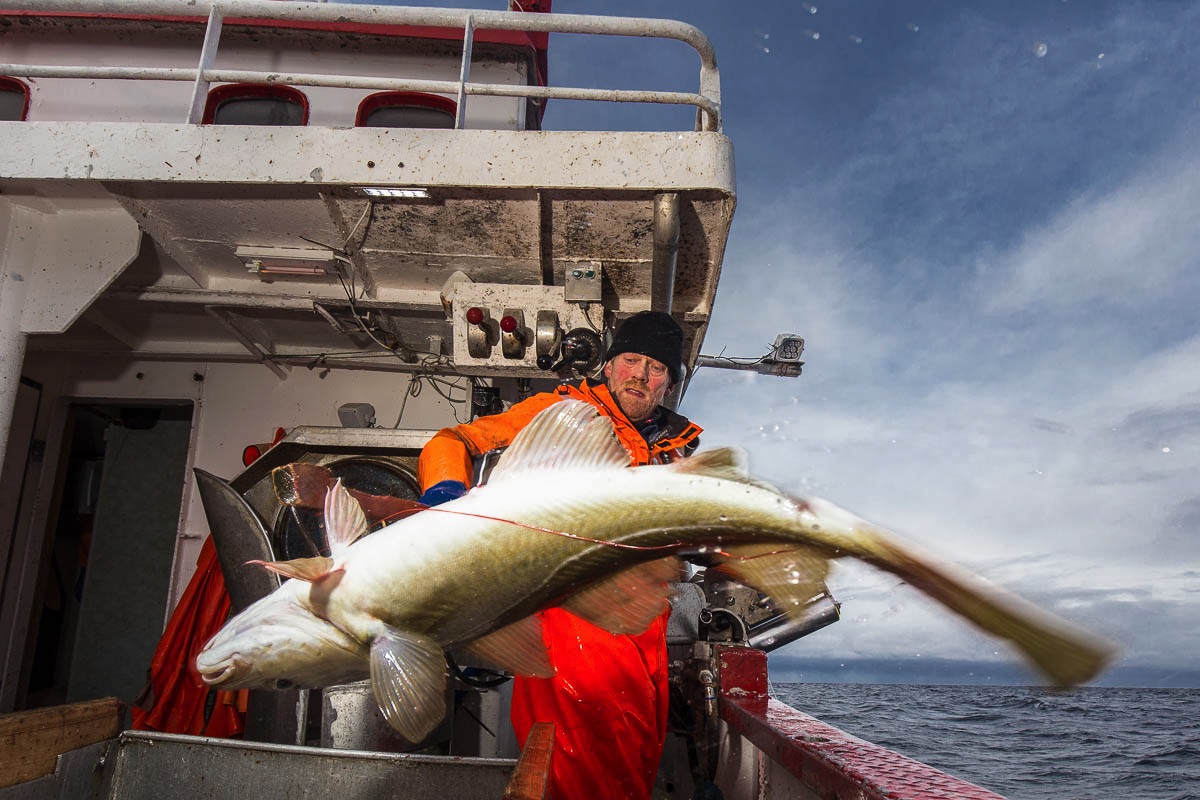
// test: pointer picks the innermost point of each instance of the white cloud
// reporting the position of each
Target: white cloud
(1000, 305)
(1125, 247)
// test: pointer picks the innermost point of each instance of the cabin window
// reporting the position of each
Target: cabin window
(255, 104)
(406, 110)
(14, 100)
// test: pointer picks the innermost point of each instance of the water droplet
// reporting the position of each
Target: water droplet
(855, 39)
(809, 7)
(723, 518)
(914, 27)
(814, 35)
(1166, 449)
(1039, 49)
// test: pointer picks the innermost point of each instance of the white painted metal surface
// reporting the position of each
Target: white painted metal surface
(708, 99)
(111, 161)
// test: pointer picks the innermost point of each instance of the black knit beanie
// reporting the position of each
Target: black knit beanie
(654, 334)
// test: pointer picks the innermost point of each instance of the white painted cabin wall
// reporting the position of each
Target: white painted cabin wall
(61, 99)
(234, 405)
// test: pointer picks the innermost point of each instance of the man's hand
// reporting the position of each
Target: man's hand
(443, 492)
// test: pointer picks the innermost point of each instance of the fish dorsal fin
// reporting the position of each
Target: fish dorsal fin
(719, 462)
(728, 463)
(627, 602)
(344, 519)
(408, 676)
(517, 648)
(568, 434)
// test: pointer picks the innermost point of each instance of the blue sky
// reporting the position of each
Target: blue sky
(984, 217)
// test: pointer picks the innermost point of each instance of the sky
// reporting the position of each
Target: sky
(984, 218)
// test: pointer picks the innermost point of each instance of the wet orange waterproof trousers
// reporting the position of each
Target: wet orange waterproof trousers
(608, 702)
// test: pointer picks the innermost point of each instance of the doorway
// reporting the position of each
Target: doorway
(107, 574)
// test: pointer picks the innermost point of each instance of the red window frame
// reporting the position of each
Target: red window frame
(13, 85)
(238, 91)
(378, 100)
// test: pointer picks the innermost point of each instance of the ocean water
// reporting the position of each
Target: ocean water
(1027, 743)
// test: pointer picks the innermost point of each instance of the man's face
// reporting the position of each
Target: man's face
(638, 383)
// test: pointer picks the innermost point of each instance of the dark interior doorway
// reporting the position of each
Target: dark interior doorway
(105, 592)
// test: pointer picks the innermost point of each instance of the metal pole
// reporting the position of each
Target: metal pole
(208, 56)
(13, 291)
(464, 72)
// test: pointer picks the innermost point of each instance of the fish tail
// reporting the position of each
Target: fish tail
(1065, 654)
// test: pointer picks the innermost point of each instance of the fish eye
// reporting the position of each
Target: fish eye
(284, 683)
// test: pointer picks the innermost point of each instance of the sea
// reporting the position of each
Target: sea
(1027, 743)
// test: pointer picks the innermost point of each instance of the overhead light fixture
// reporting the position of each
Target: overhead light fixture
(284, 261)
(788, 348)
(404, 192)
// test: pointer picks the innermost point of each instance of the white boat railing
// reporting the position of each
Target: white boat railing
(707, 100)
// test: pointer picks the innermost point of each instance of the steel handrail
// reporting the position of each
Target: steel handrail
(707, 100)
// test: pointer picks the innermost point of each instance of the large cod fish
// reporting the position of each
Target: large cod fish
(564, 521)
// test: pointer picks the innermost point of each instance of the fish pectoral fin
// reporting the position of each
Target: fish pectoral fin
(790, 575)
(408, 676)
(305, 569)
(569, 434)
(517, 648)
(344, 519)
(628, 601)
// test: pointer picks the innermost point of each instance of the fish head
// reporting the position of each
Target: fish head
(278, 643)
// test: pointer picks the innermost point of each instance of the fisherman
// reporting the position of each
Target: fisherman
(608, 698)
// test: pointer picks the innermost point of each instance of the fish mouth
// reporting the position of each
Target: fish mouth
(216, 678)
(221, 672)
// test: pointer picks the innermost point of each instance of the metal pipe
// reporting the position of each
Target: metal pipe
(763, 366)
(781, 630)
(464, 72)
(208, 56)
(359, 82)
(225, 318)
(395, 15)
(666, 251)
(13, 290)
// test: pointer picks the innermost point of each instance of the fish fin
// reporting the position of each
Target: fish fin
(301, 484)
(517, 648)
(306, 485)
(305, 569)
(408, 675)
(721, 462)
(790, 575)
(728, 463)
(1067, 655)
(628, 601)
(568, 434)
(344, 519)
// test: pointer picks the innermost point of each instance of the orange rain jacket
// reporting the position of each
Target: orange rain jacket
(609, 698)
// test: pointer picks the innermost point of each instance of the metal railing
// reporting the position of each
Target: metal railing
(707, 100)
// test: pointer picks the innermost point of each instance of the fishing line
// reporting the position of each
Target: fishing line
(702, 550)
